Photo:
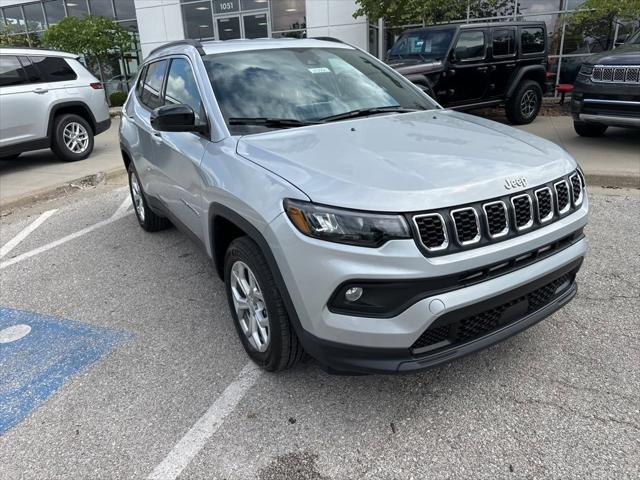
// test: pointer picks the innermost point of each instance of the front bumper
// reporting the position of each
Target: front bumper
(606, 104)
(347, 358)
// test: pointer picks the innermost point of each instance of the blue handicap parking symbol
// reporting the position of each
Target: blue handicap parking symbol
(39, 353)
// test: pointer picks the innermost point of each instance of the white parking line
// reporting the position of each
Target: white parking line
(124, 206)
(196, 438)
(119, 213)
(15, 241)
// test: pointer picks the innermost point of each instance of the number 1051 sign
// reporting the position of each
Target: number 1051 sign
(226, 6)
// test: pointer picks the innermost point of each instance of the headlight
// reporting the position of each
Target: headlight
(345, 226)
(586, 70)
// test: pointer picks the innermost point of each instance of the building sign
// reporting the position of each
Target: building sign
(226, 6)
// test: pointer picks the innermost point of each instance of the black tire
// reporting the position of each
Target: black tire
(148, 220)
(521, 112)
(589, 129)
(284, 349)
(58, 145)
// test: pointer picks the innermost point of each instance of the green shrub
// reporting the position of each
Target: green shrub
(117, 99)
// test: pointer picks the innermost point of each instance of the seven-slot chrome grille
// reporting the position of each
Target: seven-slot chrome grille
(468, 226)
(616, 74)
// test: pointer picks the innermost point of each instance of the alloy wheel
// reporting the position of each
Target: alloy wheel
(75, 137)
(250, 307)
(528, 103)
(136, 193)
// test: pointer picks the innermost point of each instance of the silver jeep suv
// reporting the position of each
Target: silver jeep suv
(349, 215)
(48, 99)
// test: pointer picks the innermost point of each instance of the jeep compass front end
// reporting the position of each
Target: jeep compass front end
(349, 215)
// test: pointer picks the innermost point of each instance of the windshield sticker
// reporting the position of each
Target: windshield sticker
(320, 70)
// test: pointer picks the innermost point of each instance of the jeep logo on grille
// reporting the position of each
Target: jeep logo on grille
(511, 183)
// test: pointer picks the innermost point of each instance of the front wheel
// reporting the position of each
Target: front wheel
(589, 129)
(72, 138)
(525, 104)
(147, 218)
(257, 308)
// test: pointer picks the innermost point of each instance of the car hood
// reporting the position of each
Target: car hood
(406, 162)
(623, 55)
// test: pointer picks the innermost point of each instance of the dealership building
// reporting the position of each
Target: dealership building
(154, 22)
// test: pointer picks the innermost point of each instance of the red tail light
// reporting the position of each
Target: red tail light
(96, 85)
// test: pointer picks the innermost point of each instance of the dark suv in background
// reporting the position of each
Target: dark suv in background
(478, 65)
(607, 90)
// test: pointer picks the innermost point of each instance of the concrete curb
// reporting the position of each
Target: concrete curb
(62, 190)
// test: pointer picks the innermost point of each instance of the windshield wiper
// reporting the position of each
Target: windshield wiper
(270, 122)
(367, 111)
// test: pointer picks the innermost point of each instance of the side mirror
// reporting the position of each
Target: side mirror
(175, 118)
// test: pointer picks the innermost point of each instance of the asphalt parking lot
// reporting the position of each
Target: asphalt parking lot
(127, 365)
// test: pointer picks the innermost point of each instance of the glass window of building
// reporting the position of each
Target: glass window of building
(77, 8)
(198, 20)
(226, 6)
(54, 11)
(254, 4)
(13, 18)
(228, 28)
(34, 17)
(125, 9)
(101, 8)
(255, 25)
(288, 15)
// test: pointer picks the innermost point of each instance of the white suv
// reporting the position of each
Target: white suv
(48, 99)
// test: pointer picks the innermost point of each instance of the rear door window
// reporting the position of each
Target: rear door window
(470, 46)
(504, 42)
(532, 40)
(53, 69)
(32, 73)
(11, 72)
(151, 95)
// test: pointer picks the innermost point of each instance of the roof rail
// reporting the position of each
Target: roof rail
(193, 43)
(327, 39)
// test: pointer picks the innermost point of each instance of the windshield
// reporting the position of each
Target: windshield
(430, 44)
(635, 39)
(304, 85)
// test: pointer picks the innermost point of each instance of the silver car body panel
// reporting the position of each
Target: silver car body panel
(25, 109)
(389, 163)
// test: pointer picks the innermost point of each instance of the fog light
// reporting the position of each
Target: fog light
(353, 294)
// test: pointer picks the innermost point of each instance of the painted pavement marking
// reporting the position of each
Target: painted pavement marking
(35, 365)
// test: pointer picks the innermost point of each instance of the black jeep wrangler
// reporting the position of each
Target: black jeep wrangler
(607, 90)
(477, 65)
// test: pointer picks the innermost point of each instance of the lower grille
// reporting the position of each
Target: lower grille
(449, 330)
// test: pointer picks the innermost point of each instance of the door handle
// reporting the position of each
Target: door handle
(511, 65)
(40, 91)
(482, 69)
(157, 137)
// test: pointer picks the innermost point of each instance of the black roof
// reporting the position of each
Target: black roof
(511, 23)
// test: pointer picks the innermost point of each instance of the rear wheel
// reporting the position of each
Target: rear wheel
(257, 308)
(589, 129)
(72, 138)
(147, 218)
(523, 107)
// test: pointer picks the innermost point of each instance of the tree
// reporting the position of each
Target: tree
(10, 39)
(93, 37)
(406, 12)
(598, 18)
